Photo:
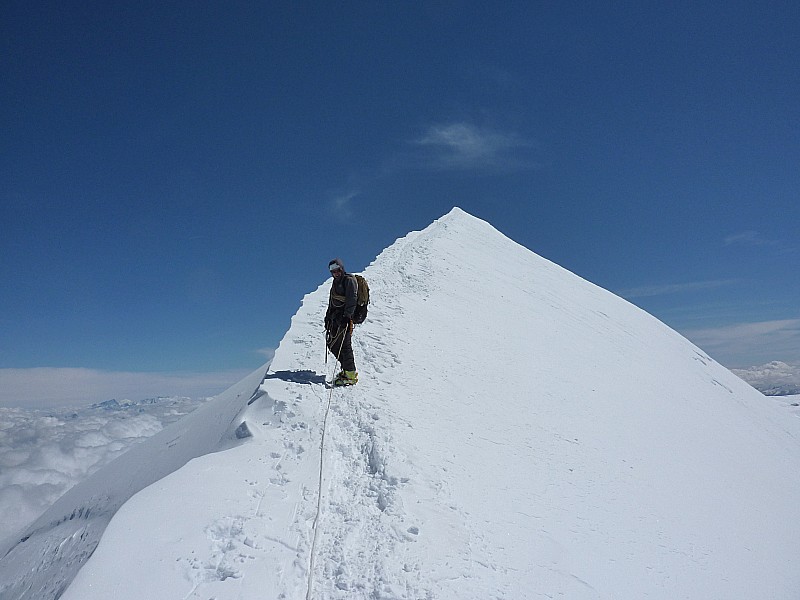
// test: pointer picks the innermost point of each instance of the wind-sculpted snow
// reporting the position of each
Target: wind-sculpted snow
(516, 433)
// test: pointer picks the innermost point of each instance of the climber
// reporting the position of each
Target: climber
(339, 321)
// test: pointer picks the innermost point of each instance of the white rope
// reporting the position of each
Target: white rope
(312, 559)
(319, 502)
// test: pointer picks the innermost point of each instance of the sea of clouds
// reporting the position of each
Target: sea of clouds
(43, 453)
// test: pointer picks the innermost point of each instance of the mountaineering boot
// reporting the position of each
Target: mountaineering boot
(346, 378)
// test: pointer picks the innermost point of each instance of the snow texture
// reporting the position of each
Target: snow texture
(517, 432)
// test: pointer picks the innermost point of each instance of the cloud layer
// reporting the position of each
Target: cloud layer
(47, 387)
(45, 453)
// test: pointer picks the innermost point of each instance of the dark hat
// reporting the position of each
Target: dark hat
(336, 264)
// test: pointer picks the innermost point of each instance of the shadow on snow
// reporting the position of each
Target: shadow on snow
(306, 377)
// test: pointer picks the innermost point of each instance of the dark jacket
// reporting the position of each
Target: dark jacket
(342, 301)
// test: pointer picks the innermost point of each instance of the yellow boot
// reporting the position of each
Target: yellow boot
(346, 378)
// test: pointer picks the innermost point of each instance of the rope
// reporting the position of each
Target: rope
(312, 560)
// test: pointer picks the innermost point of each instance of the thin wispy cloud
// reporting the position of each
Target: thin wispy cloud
(757, 239)
(342, 204)
(749, 238)
(464, 146)
(449, 147)
(743, 343)
(676, 288)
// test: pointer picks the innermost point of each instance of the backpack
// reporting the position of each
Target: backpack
(362, 299)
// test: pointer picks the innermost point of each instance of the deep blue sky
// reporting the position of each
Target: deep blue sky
(175, 176)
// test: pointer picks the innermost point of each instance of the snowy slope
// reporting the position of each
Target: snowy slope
(517, 433)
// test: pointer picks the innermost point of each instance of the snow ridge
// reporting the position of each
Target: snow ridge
(516, 432)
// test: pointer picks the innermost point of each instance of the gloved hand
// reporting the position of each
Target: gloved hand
(344, 321)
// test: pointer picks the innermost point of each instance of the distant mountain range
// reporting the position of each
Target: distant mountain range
(773, 379)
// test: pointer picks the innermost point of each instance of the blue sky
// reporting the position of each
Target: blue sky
(175, 176)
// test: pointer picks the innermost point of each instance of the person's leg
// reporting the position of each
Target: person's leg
(346, 356)
(341, 347)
